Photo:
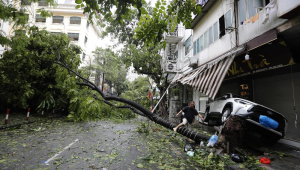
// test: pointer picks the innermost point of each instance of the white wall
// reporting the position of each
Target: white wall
(4, 28)
(68, 10)
(223, 44)
(267, 20)
(284, 7)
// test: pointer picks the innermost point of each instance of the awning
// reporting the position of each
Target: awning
(208, 77)
(262, 39)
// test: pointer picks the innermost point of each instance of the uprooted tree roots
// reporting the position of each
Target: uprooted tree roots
(233, 132)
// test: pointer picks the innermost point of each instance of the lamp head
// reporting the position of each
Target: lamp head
(247, 56)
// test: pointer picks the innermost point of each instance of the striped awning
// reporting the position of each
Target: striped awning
(208, 78)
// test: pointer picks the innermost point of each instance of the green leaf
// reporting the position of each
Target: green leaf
(143, 11)
(78, 6)
(78, 1)
(140, 166)
(241, 165)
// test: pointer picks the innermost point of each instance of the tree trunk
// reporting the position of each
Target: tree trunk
(155, 118)
(162, 106)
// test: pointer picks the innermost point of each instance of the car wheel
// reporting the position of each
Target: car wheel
(225, 114)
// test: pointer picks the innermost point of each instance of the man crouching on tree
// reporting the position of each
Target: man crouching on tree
(189, 115)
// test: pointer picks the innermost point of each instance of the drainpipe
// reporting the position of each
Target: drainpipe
(236, 23)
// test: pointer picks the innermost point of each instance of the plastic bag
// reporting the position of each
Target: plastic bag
(268, 122)
(265, 160)
(188, 147)
(212, 141)
(190, 153)
(237, 158)
(201, 144)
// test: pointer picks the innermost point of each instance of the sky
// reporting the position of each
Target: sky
(107, 41)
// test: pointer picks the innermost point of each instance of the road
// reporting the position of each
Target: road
(135, 144)
(57, 144)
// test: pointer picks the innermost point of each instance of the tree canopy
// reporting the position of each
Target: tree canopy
(108, 63)
(24, 75)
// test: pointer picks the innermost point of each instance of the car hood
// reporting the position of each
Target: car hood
(256, 104)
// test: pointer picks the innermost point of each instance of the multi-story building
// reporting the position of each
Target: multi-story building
(66, 19)
(250, 48)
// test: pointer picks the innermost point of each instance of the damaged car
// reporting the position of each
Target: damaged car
(270, 124)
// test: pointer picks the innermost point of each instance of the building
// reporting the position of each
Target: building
(66, 19)
(250, 48)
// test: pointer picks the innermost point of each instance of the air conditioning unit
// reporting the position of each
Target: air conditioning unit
(170, 67)
(193, 61)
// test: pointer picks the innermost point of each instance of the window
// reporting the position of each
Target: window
(87, 24)
(210, 36)
(58, 19)
(251, 9)
(242, 11)
(228, 22)
(25, 2)
(75, 20)
(83, 56)
(198, 45)
(56, 33)
(248, 8)
(201, 43)
(195, 50)
(205, 39)
(188, 45)
(176, 55)
(85, 40)
(39, 18)
(222, 25)
(43, 3)
(216, 31)
(73, 36)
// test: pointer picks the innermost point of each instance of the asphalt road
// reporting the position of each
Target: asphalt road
(57, 144)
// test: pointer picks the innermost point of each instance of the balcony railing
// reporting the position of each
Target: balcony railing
(263, 21)
(175, 36)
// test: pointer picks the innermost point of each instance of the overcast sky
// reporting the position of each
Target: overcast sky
(108, 41)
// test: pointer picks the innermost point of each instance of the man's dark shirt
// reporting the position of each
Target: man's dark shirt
(189, 114)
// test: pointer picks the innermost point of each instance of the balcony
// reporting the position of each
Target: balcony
(175, 36)
(288, 10)
(263, 21)
(71, 6)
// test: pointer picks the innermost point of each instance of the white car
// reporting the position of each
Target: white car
(217, 113)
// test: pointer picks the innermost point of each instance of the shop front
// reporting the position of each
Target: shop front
(269, 77)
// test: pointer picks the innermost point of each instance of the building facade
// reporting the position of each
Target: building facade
(245, 47)
(66, 19)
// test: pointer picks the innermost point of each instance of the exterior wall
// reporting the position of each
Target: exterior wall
(267, 20)
(221, 45)
(67, 9)
(4, 32)
(284, 7)
(183, 60)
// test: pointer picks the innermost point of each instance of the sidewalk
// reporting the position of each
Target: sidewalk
(282, 156)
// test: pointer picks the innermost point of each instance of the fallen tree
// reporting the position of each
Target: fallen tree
(40, 53)
(137, 108)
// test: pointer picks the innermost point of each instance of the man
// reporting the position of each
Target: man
(189, 115)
